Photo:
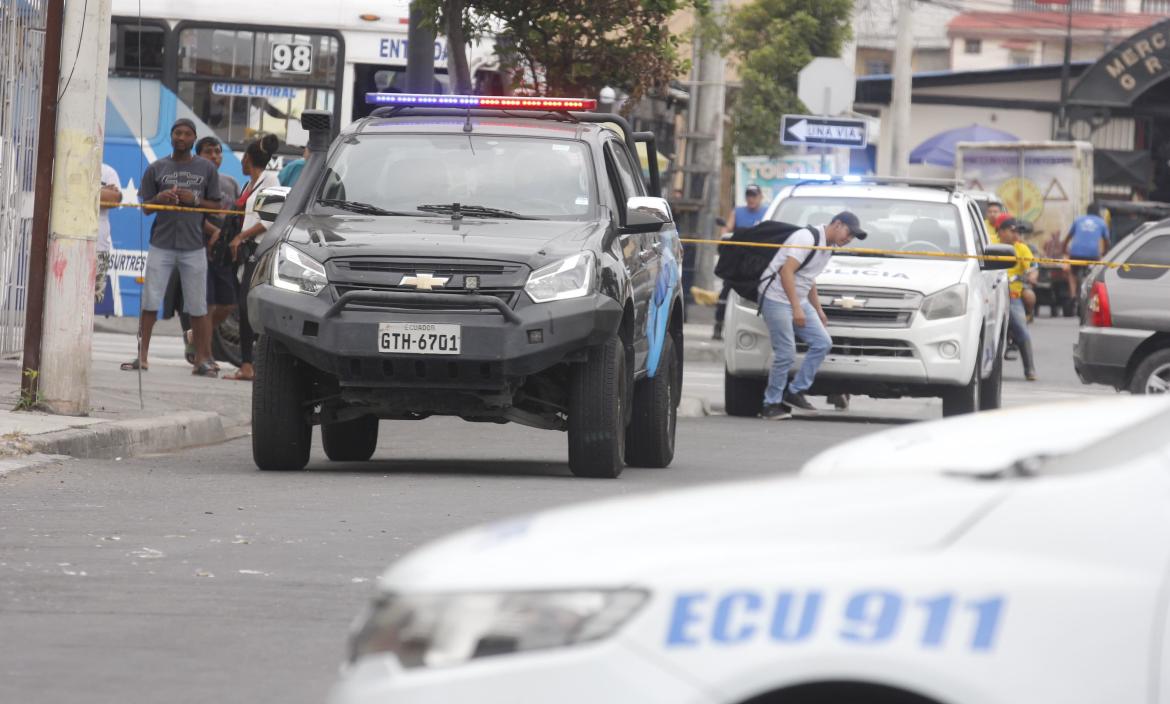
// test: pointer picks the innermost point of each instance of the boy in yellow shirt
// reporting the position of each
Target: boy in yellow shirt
(1018, 275)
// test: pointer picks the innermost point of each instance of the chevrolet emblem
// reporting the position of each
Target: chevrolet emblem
(424, 282)
(849, 302)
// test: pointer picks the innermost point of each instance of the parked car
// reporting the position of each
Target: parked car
(1124, 340)
(960, 561)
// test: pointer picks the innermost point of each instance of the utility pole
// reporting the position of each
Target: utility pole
(67, 317)
(30, 382)
(420, 54)
(705, 149)
(900, 103)
(1063, 126)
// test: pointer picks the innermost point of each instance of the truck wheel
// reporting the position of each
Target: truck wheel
(650, 435)
(743, 396)
(597, 430)
(1152, 376)
(350, 440)
(281, 433)
(964, 399)
(991, 388)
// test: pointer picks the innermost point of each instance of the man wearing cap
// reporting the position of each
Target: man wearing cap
(743, 217)
(176, 241)
(1009, 233)
(792, 310)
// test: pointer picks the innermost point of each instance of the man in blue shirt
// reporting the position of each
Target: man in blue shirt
(292, 170)
(1088, 239)
(743, 217)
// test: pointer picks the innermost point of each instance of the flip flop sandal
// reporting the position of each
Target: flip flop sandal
(189, 350)
(206, 369)
(134, 366)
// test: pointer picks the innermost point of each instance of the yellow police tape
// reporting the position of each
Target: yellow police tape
(766, 245)
(178, 208)
(939, 255)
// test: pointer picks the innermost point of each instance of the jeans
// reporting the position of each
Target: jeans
(778, 317)
(1018, 321)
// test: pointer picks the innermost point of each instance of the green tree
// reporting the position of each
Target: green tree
(772, 40)
(573, 48)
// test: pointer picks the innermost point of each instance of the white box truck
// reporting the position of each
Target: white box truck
(1049, 184)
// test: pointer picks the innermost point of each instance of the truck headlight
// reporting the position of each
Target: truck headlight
(947, 303)
(569, 278)
(297, 271)
(438, 630)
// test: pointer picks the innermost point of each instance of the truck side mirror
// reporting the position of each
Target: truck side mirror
(269, 202)
(647, 214)
(998, 250)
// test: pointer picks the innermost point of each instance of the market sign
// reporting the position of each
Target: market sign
(1130, 69)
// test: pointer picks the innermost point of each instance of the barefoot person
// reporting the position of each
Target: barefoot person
(176, 241)
(251, 233)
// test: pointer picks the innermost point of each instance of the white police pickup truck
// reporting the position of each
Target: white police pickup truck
(896, 570)
(903, 325)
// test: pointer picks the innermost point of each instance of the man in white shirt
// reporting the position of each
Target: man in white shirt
(792, 310)
(111, 195)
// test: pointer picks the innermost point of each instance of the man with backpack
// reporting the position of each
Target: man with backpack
(788, 301)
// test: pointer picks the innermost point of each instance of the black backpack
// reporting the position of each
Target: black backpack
(743, 267)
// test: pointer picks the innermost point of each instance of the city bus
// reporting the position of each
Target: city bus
(240, 69)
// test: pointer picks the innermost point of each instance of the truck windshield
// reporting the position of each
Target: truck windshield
(488, 176)
(894, 225)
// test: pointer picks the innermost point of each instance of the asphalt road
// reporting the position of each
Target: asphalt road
(195, 578)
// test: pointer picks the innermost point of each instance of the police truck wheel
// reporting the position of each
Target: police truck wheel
(597, 414)
(964, 399)
(281, 432)
(991, 388)
(350, 440)
(650, 435)
(743, 396)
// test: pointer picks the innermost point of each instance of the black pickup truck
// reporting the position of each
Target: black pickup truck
(494, 264)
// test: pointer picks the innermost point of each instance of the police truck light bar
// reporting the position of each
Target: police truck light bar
(490, 102)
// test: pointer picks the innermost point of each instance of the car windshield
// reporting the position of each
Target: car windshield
(894, 225)
(488, 176)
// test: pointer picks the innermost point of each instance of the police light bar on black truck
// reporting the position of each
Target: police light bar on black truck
(489, 102)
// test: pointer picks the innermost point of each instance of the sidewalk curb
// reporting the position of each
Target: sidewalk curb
(140, 436)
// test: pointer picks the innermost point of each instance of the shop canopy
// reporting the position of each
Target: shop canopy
(939, 150)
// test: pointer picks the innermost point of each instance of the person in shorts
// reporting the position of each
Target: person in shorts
(176, 242)
(221, 272)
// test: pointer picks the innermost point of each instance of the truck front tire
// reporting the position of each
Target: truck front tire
(964, 399)
(281, 432)
(991, 388)
(350, 440)
(650, 435)
(597, 413)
